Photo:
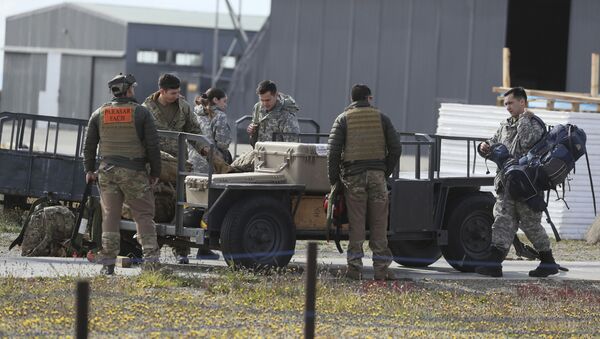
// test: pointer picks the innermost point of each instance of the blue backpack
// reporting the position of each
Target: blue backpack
(545, 166)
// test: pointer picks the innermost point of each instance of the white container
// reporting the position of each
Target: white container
(196, 187)
(304, 164)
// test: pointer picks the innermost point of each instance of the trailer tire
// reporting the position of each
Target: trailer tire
(469, 231)
(415, 253)
(258, 233)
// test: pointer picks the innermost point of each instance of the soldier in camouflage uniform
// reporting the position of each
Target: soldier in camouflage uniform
(173, 113)
(363, 151)
(273, 119)
(128, 141)
(519, 134)
(212, 119)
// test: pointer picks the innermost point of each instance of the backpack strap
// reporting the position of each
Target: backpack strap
(34, 205)
(542, 123)
(591, 181)
(554, 230)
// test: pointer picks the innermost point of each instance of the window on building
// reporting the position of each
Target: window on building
(228, 62)
(188, 59)
(151, 57)
(539, 62)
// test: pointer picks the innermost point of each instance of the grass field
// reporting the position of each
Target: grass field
(228, 303)
(10, 221)
(242, 304)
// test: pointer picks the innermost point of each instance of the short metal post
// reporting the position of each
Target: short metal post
(311, 291)
(82, 296)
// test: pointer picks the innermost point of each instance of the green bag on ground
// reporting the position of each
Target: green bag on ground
(46, 230)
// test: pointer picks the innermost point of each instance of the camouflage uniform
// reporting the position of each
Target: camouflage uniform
(182, 121)
(281, 119)
(363, 151)
(216, 129)
(128, 141)
(518, 136)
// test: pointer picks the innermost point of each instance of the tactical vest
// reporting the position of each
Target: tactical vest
(118, 136)
(364, 135)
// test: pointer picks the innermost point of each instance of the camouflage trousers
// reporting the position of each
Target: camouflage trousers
(366, 198)
(121, 185)
(509, 216)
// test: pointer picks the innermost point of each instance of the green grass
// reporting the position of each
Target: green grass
(10, 220)
(242, 304)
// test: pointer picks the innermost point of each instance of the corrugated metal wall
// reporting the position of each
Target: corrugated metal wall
(75, 86)
(24, 78)
(64, 27)
(584, 38)
(413, 54)
(104, 70)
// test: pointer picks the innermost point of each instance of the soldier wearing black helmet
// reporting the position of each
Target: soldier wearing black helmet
(126, 137)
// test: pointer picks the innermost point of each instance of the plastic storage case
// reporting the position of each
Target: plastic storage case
(196, 187)
(300, 163)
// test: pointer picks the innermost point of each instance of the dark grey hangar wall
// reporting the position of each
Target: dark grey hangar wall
(415, 53)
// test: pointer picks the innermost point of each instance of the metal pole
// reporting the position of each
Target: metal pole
(82, 296)
(215, 47)
(311, 291)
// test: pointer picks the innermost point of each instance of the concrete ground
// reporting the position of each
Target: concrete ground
(23, 267)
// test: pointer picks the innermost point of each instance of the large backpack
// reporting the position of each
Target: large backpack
(46, 230)
(544, 167)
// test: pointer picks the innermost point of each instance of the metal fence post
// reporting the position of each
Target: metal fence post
(311, 289)
(82, 296)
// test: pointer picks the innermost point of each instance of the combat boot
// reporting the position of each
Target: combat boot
(107, 269)
(385, 274)
(547, 266)
(492, 268)
(353, 273)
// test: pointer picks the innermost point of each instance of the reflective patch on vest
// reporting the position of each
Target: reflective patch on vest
(118, 115)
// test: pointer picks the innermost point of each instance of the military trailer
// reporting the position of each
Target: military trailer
(256, 218)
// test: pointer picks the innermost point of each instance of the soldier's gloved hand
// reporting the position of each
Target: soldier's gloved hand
(251, 128)
(484, 148)
(90, 177)
(204, 151)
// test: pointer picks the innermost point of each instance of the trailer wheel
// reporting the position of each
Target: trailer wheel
(415, 253)
(469, 229)
(258, 233)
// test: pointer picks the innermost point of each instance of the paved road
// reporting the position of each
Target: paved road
(56, 267)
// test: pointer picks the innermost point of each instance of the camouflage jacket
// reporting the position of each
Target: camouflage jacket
(518, 136)
(217, 128)
(281, 119)
(183, 121)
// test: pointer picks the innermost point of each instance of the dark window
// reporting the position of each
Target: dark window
(537, 33)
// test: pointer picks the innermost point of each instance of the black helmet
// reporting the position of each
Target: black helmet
(121, 83)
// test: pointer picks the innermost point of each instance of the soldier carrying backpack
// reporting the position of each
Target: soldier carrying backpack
(519, 134)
